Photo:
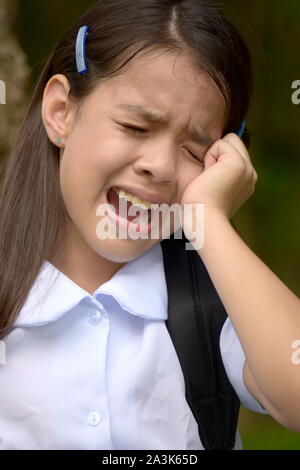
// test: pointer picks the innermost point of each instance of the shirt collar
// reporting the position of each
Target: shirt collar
(139, 287)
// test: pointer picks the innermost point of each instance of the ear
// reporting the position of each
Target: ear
(57, 109)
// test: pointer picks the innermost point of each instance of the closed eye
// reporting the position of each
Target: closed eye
(139, 130)
(134, 130)
(200, 160)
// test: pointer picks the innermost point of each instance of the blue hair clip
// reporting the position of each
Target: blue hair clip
(80, 50)
(241, 129)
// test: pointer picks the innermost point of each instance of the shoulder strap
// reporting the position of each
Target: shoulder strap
(195, 318)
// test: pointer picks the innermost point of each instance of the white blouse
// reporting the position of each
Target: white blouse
(100, 371)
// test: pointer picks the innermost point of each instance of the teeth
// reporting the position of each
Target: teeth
(134, 200)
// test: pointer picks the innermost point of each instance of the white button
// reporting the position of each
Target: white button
(94, 418)
(95, 318)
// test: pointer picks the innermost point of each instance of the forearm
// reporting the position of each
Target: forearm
(264, 312)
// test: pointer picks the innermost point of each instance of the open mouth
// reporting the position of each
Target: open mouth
(122, 207)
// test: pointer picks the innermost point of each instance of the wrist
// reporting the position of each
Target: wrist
(215, 213)
(216, 230)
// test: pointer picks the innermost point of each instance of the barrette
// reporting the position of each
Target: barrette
(81, 50)
(241, 129)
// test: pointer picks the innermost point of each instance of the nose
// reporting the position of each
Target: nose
(159, 162)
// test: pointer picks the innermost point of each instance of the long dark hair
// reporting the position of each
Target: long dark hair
(32, 212)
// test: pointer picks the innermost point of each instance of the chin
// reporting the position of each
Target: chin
(123, 251)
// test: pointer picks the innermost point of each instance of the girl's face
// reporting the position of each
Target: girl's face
(99, 152)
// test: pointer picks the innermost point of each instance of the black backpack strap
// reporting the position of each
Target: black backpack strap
(196, 316)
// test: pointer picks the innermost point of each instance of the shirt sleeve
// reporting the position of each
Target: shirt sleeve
(234, 359)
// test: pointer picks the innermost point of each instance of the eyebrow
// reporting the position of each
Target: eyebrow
(157, 118)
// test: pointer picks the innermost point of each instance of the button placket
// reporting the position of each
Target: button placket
(96, 314)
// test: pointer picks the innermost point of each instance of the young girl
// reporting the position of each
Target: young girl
(144, 98)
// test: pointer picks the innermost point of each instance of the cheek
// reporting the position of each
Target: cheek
(186, 174)
(79, 185)
(72, 173)
(85, 172)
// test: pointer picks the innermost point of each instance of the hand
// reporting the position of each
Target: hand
(228, 178)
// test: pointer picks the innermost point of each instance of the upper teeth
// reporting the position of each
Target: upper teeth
(134, 199)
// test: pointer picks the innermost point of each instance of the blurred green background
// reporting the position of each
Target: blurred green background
(269, 222)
